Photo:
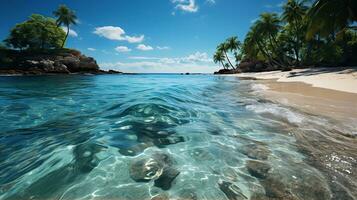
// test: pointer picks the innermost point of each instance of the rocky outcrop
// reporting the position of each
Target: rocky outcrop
(158, 167)
(64, 61)
(228, 71)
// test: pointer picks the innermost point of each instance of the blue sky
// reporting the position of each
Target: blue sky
(147, 35)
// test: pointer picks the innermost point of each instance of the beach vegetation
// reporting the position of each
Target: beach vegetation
(323, 33)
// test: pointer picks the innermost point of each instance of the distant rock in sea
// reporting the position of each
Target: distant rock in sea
(64, 61)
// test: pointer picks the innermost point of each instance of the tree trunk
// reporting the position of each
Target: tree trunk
(228, 60)
(64, 41)
(224, 67)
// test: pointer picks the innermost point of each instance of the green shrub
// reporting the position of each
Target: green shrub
(38, 32)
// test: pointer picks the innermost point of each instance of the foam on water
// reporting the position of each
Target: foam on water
(77, 137)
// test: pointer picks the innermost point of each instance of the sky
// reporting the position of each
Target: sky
(147, 36)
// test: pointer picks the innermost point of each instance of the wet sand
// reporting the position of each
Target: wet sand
(331, 94)
(338, 105)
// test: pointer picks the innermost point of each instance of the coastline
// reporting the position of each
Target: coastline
(323, 91)
(340, 79)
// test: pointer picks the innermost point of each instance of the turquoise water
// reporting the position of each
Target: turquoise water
(164, 136)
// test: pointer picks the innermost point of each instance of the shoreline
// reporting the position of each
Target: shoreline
(327, 92)
(342, 79)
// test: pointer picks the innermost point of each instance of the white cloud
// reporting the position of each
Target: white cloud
(117, 33)
(134, 39)
(91, 49)
(186, 5)
(71, 32)
(143, 58)
(163, 48)
(197, 62)
(122, 49)
(144, 47)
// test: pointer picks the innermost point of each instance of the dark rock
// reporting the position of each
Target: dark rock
(274, 188)
(55, 61)
(166, 178)
(164, 159)
(228, 71)
(320, 191)
(158, 167)
(232, 191)
(253, 66)
(85, 157)
(258, 169)
(145, 169)
(170, 140)
(114, 72)
(256, 151)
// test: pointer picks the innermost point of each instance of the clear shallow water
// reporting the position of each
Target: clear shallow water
(167, 136)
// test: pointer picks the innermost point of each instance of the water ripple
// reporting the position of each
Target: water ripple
(190, 137)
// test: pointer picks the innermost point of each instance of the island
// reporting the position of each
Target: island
(37, 47)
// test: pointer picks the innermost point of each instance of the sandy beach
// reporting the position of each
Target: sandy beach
(327, 91)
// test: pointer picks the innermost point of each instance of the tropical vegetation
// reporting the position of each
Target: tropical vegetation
(65, 17)
(323, 34)
(40, 32)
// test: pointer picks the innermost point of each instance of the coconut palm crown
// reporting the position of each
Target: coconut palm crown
(65, 17)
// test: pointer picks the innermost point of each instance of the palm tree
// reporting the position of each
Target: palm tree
(329, 15)
(66, 17)
(219, 57)
(233, 44)
(223, 47)
(294, 13)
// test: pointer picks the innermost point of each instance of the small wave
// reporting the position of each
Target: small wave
(259, 87)
(277, 111)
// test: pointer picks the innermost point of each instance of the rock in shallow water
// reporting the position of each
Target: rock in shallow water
(169, 140)
(166, 178)
(158, 167)
(258, 169)
(276, 189)
(145, 169)
(256, 151)
(232, 191)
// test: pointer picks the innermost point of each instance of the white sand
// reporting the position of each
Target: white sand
(329, 78)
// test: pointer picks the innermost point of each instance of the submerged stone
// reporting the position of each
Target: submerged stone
(145, 169)
(85, 156)
(170, 140)
(274, 188)
(256, 151)
(158, 167)
(232, 191)
(166, 178)
(258, 169)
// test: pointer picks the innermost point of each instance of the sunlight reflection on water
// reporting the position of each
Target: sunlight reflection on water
(192, 137)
